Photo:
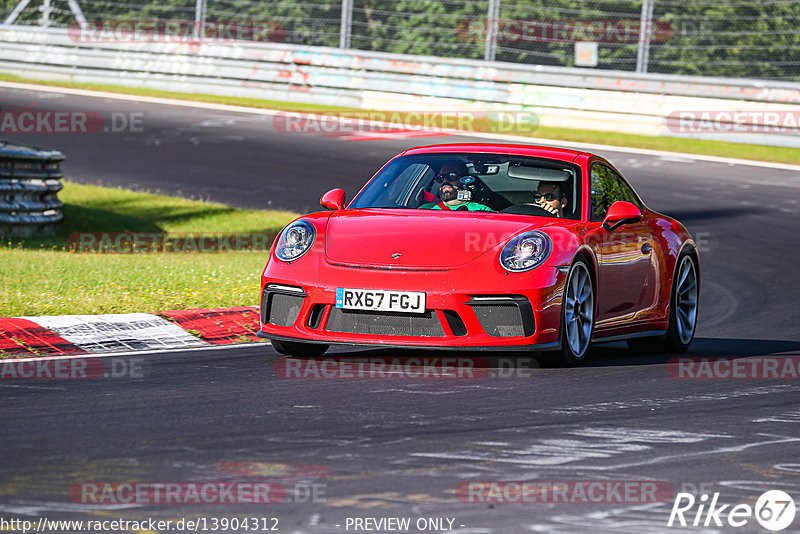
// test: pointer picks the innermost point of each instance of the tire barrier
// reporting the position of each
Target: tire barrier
(30, 179)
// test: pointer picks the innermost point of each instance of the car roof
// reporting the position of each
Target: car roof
(537, 151)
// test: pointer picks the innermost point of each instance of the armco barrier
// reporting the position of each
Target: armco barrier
(30, 179)
(565, 97)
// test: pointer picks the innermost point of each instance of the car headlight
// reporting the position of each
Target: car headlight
(295, 240)
(525, 251)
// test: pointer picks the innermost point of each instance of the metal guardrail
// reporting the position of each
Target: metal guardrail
(303, 66)
(30, 179)
(566, 97)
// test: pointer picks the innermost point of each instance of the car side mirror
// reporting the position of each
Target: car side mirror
(333, 199)
(620, 213)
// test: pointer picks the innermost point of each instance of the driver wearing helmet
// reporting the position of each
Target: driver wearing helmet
(450, 177)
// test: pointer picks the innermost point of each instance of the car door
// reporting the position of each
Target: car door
(624, 255)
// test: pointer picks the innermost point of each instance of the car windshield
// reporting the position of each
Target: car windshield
(476, 183)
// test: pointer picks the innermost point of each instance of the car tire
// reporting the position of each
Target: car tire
(577, 314)
(683, 308)
(296, 348)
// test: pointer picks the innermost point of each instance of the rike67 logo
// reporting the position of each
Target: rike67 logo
(774, 510)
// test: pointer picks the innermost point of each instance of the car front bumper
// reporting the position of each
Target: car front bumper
(467, 307)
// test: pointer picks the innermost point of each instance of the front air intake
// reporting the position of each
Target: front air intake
(504, 316)
(281, 307)
(387, 324)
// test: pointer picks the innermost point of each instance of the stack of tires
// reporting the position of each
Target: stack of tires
(30, 179)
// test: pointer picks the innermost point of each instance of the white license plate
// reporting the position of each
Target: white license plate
(380, 300)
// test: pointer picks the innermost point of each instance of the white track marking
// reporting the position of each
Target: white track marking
(600, 407)
(113, 332)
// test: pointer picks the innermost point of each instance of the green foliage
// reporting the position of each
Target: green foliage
(732, 38)
(758, 39)
(606, 188)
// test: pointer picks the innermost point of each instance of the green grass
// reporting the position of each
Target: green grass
(671, 144)
(41, 277)
(195, 97)
(774, 154)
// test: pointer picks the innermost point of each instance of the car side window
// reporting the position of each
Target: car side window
(607, 187)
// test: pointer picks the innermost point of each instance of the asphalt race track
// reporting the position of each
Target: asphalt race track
(386, 447)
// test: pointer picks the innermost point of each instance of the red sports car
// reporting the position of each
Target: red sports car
(483, 246)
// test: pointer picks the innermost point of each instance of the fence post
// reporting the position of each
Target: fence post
(491, 30)
(77, 11)
(46, 10)
(199, 17)
(645, 31)
(347, 24)
(20, 7)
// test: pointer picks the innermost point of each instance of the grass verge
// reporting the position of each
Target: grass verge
(41, 277)
(670, 144)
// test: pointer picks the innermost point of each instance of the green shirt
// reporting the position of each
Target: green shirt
(469, 206)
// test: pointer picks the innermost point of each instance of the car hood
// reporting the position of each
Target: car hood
(421, 239)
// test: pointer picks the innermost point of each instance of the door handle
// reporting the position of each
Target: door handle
(647, 248)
